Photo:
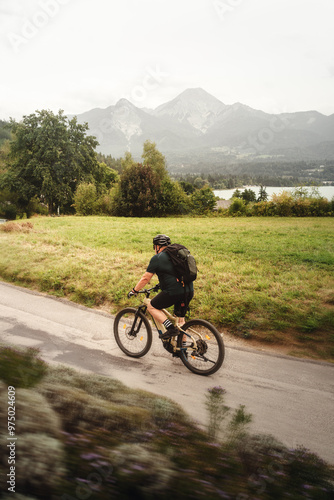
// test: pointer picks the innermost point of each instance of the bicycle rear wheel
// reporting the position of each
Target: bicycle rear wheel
(207, 355)
(133, 332)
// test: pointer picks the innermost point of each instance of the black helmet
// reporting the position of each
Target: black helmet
(161, 240)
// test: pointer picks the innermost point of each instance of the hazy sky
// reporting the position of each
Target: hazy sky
(274, 55)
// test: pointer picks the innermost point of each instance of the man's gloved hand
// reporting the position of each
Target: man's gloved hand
(132, 293)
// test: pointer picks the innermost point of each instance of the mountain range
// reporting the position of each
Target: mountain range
(197, 125)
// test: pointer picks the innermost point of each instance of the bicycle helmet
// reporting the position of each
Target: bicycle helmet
(161, 240)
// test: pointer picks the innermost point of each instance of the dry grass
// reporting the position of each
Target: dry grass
(20, 227)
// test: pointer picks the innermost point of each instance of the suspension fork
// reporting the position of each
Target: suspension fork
(138, 319)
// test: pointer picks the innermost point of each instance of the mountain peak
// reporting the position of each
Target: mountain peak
(194, 106)
(124, 103)
(197, 93)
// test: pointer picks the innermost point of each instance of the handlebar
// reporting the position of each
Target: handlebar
(147, 291)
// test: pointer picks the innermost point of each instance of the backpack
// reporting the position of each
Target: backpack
(184, 263)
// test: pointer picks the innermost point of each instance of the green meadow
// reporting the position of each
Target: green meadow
(262, 279)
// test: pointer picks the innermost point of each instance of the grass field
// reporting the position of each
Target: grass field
(267, 279)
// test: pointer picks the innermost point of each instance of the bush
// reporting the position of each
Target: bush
(36, 207)
(237, 207)
(85, 198)
(151, 473)
(21, 368)
(264, 208)
(273, 469)
(287, 204)
(39, 459)
(105, 203)
(39, 471)
(8, 210)
(320, 207)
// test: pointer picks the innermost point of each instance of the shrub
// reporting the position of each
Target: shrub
(301, 207)
(39, 464)
(34, 413)
(273, 469)
(320, 207)
(21, 368)
(79, 410)
(283, 203)
(85, 198)
(217, 409)
(151, 473)
(237, 207)
(105, 203)
(264, 208)
(39, 456)
(8, 210)
(36, 207)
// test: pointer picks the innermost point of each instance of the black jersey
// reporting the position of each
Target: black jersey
(161, 265)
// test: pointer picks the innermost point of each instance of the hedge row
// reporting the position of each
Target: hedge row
(284, 207)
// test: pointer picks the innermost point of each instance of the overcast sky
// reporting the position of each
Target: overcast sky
(75, 55)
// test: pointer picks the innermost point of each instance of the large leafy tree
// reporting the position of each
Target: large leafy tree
(138, 191)
(50, 155)
(145, 189)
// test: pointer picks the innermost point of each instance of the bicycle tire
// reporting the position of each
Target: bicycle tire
(209, 356)
(131, 343)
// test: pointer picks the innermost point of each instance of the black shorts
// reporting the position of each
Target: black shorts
(163, 300)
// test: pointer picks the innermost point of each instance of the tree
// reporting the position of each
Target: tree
(203, 200)
(248, 195)
(138, 193)
(5, 133)
(199, 182)
(50, 155)
(155, 159)
(237, 194)
(263, 195)
(172, 199)
(187, 187)
(146, 190)
(104, 177)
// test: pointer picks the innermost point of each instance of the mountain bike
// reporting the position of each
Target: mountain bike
(199, 345)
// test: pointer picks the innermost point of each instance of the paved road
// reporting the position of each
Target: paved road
(289, 398)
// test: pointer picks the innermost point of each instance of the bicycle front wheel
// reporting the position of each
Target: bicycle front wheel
(202, 350)
(133, 332)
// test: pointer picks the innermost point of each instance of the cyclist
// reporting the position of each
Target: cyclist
(172, 290)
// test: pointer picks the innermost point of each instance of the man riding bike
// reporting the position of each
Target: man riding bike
(173, 292)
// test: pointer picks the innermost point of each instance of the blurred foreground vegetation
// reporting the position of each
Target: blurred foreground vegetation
(88, 436)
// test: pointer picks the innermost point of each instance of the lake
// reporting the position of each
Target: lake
(226, 194)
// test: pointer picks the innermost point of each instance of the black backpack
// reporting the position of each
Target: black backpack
(184, 263)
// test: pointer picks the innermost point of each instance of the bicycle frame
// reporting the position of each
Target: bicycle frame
(159, 326)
